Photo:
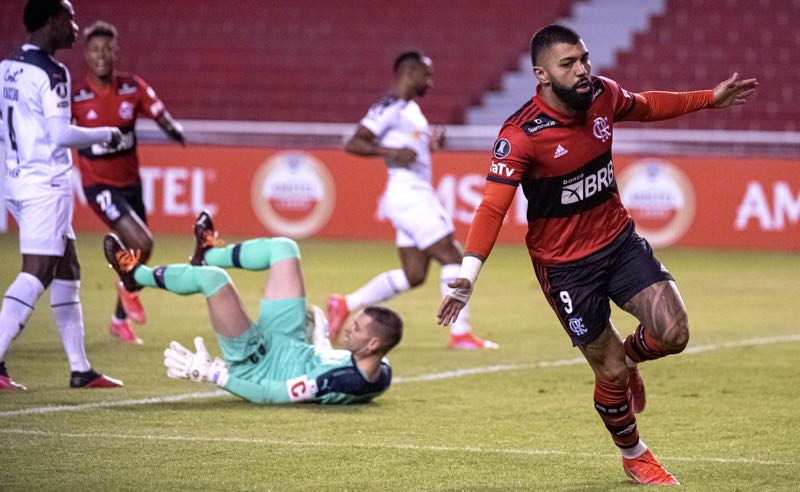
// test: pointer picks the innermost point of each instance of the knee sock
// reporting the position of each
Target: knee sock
(381, 288)
(183, 279)
(65, 304)
(448, 273)
(17, 308)
(254, 254)
(611, 402)
(641, 346)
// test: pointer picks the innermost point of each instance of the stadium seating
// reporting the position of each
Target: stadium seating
(325, 61)
(698, 43)
(313, 60)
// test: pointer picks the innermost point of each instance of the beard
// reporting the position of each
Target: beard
(571, 96)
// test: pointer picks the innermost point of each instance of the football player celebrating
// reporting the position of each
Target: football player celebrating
(110, 175)
(580, 237)
(38, 191)
(272, 359)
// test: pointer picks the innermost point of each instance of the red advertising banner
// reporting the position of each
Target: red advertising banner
(684, 201)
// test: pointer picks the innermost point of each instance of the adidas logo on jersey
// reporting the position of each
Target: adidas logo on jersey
(559, 152)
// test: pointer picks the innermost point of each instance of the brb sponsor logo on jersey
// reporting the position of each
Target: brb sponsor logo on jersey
(293, 194)
(583, 186)
(660, 198)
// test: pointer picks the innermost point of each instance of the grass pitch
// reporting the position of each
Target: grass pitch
(722, 416)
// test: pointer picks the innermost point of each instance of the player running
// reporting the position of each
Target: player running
(38, 192)
(581, 238)
(110, 175)
(270, 360)
(396, 130)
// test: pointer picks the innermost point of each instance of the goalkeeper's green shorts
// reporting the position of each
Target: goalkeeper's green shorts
(284, 317)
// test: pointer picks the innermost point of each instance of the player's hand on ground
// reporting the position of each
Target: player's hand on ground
(438, 138)
(454, 301)
(116, 138)
(182, 363)
(733, 92)
(403, 157)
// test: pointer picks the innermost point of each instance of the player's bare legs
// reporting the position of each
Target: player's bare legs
(663, 330)
(134, 235)
(415, 263)
(285, 280)
(62, 275)
(662, 314)
(226, 312)
(17, 305)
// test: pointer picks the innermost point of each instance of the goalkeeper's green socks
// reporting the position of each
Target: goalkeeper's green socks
(254, 254)
(183, 279)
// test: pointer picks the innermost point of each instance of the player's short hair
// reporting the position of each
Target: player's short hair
(38, 12)
(386, 325)
(405, 57)
(550, 35)
(100, 28)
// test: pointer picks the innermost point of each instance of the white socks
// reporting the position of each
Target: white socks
(448, 274)
(635, 451)
(381, 288)
(388, 284)
(65, 304)
(17, 308)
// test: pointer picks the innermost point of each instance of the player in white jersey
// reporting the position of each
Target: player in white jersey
(396, 130)
(37, 185)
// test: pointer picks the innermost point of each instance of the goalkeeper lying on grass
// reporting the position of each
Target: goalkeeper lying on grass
(270, 360)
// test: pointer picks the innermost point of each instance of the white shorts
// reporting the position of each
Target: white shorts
(45, 223)
(417, 215)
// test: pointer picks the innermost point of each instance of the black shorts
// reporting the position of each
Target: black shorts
(579, 291)
(110, 203)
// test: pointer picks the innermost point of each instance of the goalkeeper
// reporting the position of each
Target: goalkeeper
(271, 360)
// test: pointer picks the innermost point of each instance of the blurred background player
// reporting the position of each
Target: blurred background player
(38, 192)
(110, 175)
(270, 360)
(395, 129)
(580, 236)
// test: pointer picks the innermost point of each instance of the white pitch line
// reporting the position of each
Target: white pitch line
(398, 380)
(107, 404)
(412, 447)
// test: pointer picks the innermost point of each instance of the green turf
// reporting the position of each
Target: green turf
(722, 419)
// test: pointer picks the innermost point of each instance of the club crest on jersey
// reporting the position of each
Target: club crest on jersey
(126, 110)
(577, 327)
(502, 148)
(601, 130)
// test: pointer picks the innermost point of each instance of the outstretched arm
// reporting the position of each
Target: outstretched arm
(658, 105)
(365, 143)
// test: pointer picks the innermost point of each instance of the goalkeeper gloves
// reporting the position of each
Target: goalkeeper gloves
(182, 363)
(317, 328)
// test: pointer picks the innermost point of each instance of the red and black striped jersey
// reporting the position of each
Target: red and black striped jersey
(117, 105)
(566, 172)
